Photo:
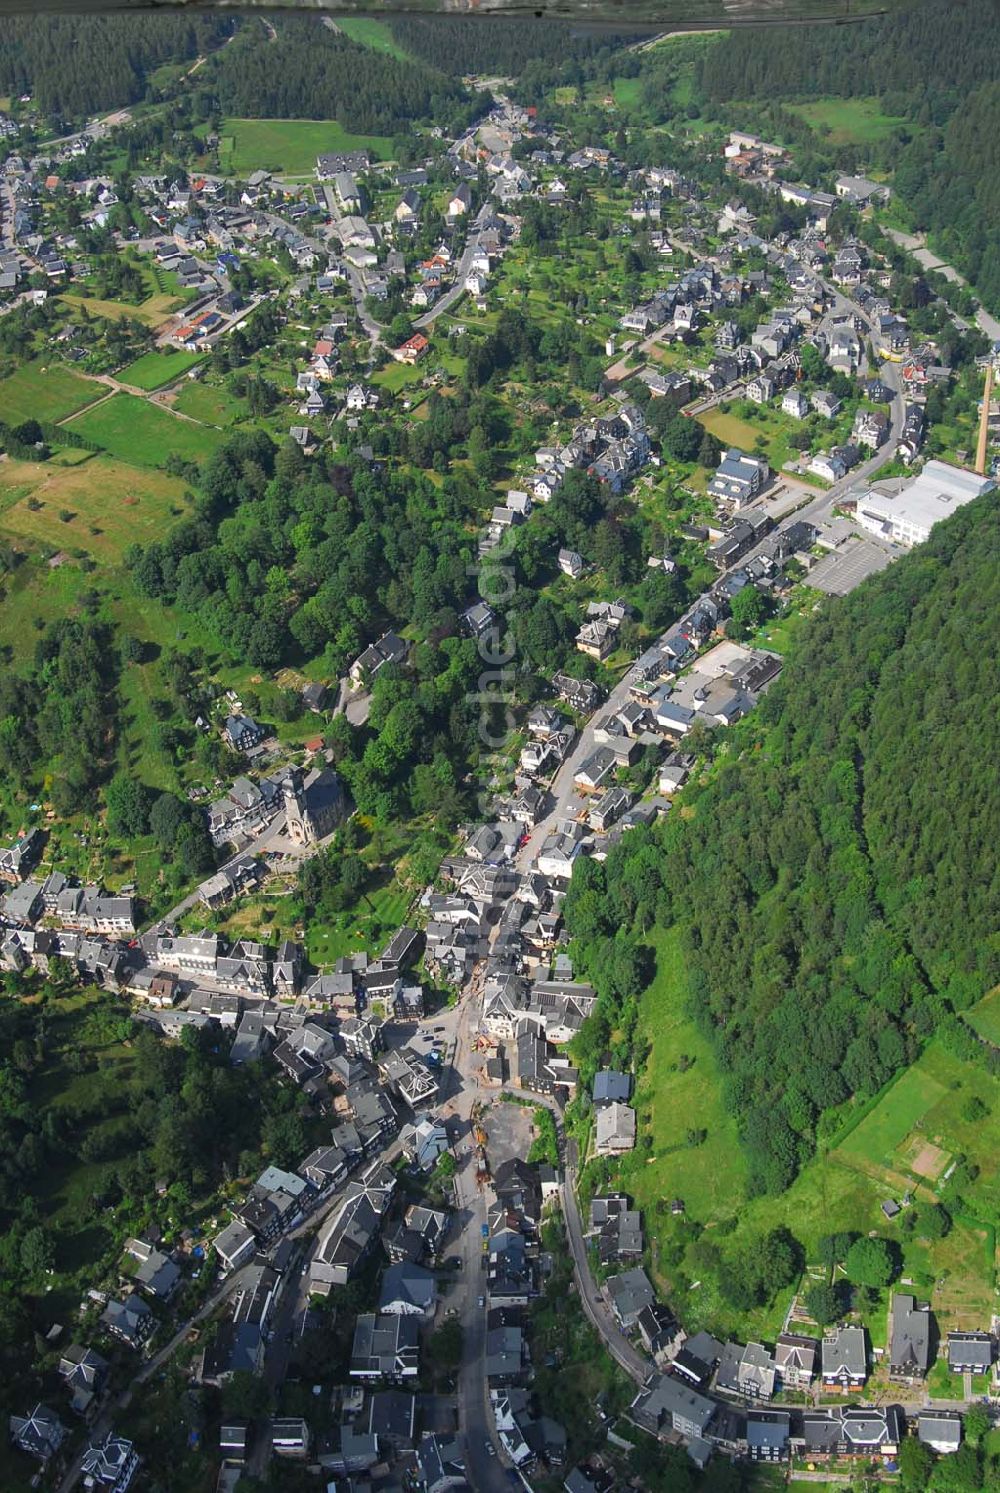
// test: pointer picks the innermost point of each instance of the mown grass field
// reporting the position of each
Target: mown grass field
(929, 1107)
(209, 403)
(146, 434)
(396, 376)
(985, 1017)
(880, 1135)
(153, 311)
(289, 145)
(857, 121)
(729, 429)
(769, 423)
(112, 505)
(155, 369)
(369, 32)
(671, 1101)
(41, 391)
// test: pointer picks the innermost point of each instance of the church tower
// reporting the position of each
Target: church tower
(295, 808)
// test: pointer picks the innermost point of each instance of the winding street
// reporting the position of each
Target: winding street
(461, 269)
(104, 1422)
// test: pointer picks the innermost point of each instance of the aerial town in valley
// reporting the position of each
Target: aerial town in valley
(430, 1263)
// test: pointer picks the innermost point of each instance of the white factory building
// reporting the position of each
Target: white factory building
(910, 514)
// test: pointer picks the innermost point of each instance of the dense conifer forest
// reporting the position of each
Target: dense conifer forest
(837, 875)
(492, 46)
(310, 72)
(78, 65)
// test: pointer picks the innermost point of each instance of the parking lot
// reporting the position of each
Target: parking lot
(841, 570)
(510, 1132)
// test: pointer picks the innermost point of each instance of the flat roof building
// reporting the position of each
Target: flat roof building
(910, 516)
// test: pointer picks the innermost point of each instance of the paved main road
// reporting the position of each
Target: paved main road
(461, 270)
(564, 799)
(915, 244)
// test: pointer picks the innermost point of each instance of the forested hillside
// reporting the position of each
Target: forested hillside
(937, 65)
(77, 65)
(310, 72)
(900, 55)
(837, 878)
(488, 45)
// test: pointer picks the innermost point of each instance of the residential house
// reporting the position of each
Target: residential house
(570, 563)
(795, 1359)
(674, 772)
(615, 1130)
(767, 1435)
(748, 1372)
(582, 695)
(739, 478)
(85, 1374)
(385, 1347)
(941, 1430)
(157, 1274)
(110, 1464)
(460, 201)
(240, 1338)
(479, 619)
(596, 639)
(235, 1246)
(825, 403)
(407, 1290)
(629, 1294)
(18, 860)
(911, 436)
(439, 1464)
(970, 1352)
(844, 1358)
(909, 1339)
(389, 650)
(667, 1404)
(659, 1331)
(871, 428)
(40, 1433)
(346, 1241)
(611, 1087)
(760, 390)
(616, 1227)
(129, 1320)
(423, 1142)
(412, 350)
(867, 1430)
(794, 403)
(242, 733)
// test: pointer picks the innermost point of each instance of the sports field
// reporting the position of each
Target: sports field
(145, 434)
(155, 369)
(289, 145)
(110, 505)
(41, 391)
